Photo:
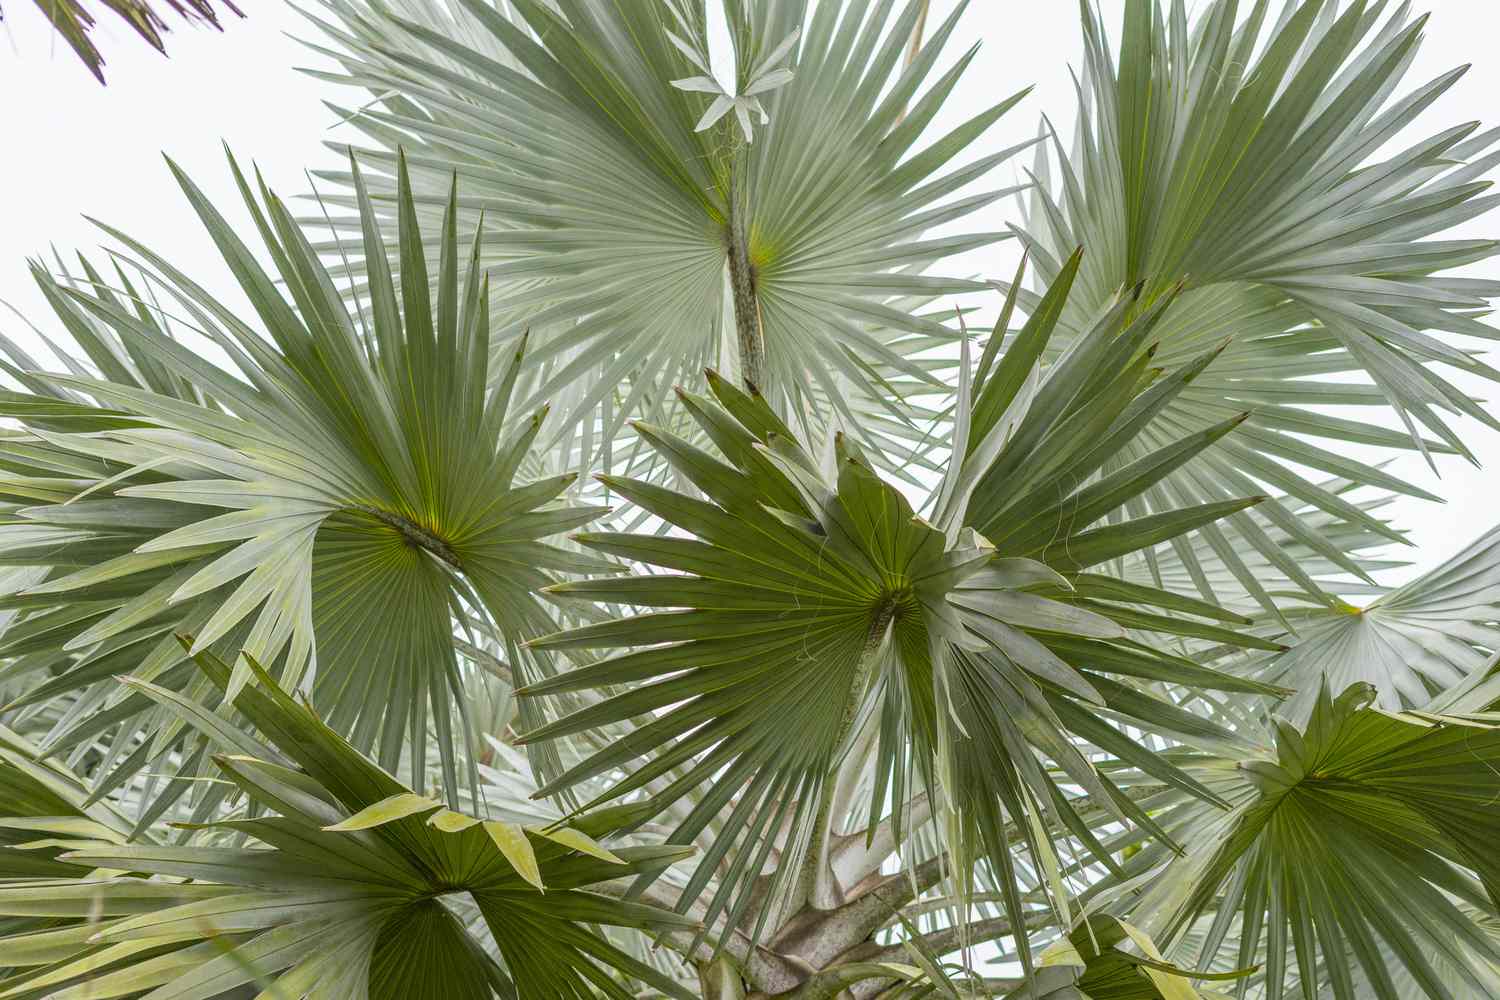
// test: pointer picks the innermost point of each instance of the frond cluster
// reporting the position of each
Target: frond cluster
(594, 564)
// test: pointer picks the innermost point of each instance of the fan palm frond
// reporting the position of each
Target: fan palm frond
(328, 506)
(907, 659)
(648, 245)
(75, 19)
(45, 804)
(801, 603)
(353, 893)
(1424, 645)
(1247, 157)
(1358, 843)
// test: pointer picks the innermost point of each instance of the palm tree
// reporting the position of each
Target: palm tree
(868, 658)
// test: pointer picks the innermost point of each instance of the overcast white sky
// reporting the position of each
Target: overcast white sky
(69, 148)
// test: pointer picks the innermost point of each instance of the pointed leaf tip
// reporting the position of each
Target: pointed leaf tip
(582, 843)
(387, 810)
(513, 844)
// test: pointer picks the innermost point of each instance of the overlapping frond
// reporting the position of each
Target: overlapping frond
(1251, 158)
(902, 736)
(1424, 645)
(1366, 841)
(798, 604)
(44, 805)
(642, 247)
(356, 886)
(328, 506)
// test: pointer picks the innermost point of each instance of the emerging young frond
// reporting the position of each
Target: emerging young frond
(328, 506)
(1248, 158)
(638, 244)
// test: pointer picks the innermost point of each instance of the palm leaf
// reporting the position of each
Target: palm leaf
(643, 246)
(799, 604)
(75, 19)
(333, 903)
(46, 808)
(1423, 645)
(1249, 160)
(327, 508)
(1355, 845)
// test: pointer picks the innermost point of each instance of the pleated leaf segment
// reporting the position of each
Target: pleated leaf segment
(642, 240)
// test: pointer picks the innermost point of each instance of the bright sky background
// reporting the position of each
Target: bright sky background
(71, 148)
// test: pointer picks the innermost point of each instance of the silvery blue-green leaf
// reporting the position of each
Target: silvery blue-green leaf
(640, 234)
(808, 599)
(326, 509)
(1256, 163)
(1426, 645)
